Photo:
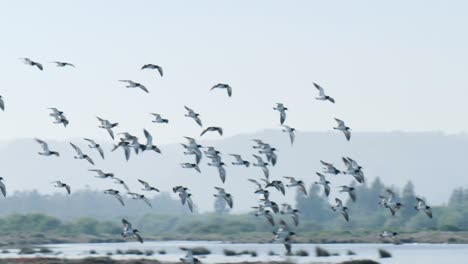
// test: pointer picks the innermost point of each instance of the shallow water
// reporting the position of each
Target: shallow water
(407, 253)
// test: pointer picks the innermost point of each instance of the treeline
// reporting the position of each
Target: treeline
(87, 203)
(367, 214)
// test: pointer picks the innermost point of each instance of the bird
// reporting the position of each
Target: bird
(394, 208)
(137, 196)
(153, 67)
(2, 103)
(193, 149)
(81, 155)
(322, 96)
(116, 194)
(121, 182)
(159, 119)
(270, 204)
(269, 153)
(290, 131)
(262, 164)
(295, 183)
(102, 174)
(343, 210)
(212, 129)
(62, 64)
(129, 231)
(421, 206)
(329, 168)
(94, 145)
(393, 236)
(125, 146)
(353, 169)
(107, 125)
(59, 116)
(284, 235)
(60, 184)
(324, 182)
(149, 143)
(221, 171)
(282, 109)
(223, 86)
(132, 84)
(189, 258)
(190, 166)
(343, 128)
(350, 190)
(45, 149)
(260, 211)
(2, 186)
(185, 197)
(386, 199)
(239, 160)
(287, 209)
(257, 184)
(28, 61)
(147, 187)
(212, 153)
(193, 115)
(264, 192)
(226, 196)
(278, 185)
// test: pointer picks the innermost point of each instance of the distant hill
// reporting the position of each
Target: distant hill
(434, 162)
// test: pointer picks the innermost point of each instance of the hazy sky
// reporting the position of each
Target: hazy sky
(391, 66)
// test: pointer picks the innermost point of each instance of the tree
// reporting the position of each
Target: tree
(408, 199)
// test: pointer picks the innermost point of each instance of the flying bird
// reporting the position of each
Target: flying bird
(159, 119)
(147, 187)
(129, 231)
(190, 166)
(101, 174)
(137, 196)
(290, 131)
(94, 145)
(239, 160)
(2, 186)
(288, 210)
(421, 206)
(149, 143)
(393, 236)
(59, 117)
(295, 183)
(324, 182)
(29, 62)
(121, 182)
(260, 211)
(223, 86)
(343, 210)
(45, 149)
(60, 184)
(193, 115)
(350, 190)
(282, 110)
(329, 168)
(212, 129)
(284, 235)
(107, 125)
(62, 64)
(262, 164)
(343, 128)
(322, 96)
(153, 67)
(80, 154)
(226, 196)
(2, 103)
(116, 194)
(132, 84)
(185, 197)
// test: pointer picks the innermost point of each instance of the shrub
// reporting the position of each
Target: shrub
(384, 254)
(320, 252)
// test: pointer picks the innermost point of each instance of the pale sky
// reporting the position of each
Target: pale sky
(398, 65)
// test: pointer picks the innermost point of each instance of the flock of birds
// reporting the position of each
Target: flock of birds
(265, 158)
